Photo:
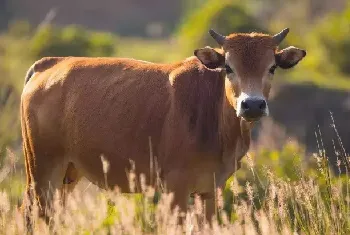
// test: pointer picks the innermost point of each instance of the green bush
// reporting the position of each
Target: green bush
(286, 164)
(299, 190)
(327, 42)
(226, 17)
(334, 34)
(71, 41)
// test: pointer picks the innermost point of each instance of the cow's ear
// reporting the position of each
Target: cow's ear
(210, 57)
(289, 57)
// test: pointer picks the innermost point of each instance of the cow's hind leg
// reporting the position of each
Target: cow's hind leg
(45, 169)
(44, 155)
(48, 180)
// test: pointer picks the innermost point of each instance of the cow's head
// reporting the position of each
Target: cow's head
(250, 61)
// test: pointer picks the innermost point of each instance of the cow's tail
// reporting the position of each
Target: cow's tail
(29, 74)
(28, 199)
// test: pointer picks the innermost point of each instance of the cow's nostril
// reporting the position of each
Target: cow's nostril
(252, 108)
(244, 105)
(262, 105)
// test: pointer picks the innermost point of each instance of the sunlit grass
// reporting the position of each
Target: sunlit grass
(275, 192)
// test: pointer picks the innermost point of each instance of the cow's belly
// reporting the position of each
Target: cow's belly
(112, 169)
(123, 151)
(120, 133)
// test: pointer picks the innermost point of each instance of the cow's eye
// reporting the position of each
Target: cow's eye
(228, 69)
(272, 69)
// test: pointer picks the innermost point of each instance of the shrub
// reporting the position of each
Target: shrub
(71, 41)
(225, 17)
(334, 33)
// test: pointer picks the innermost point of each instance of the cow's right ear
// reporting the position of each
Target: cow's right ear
(210, 57)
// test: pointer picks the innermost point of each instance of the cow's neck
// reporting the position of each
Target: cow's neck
(198, 96)
(235, 132)
(202, 102)
(233, 129)
(235, 141)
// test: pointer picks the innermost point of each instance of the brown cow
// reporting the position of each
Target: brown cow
(73, 110)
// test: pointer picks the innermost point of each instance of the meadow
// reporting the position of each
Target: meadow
(273, 193)
(285, 191)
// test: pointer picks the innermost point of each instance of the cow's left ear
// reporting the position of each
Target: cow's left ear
(289, 57)
(210, 57)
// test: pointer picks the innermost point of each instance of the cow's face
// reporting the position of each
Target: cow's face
(250, 61)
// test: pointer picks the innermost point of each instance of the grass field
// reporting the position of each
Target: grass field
(274, 193)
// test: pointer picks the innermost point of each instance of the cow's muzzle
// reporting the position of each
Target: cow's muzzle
(252, 108)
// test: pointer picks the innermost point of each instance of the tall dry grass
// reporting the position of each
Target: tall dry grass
(275, 192)
(314, 202)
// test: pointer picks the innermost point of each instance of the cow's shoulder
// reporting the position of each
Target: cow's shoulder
(193, 69)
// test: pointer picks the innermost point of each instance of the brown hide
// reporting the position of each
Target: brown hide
(73, 110)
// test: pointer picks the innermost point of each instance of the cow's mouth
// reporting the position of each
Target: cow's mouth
(248, 117)
(251, 120)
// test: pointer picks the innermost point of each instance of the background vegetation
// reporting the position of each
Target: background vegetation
(275, 192)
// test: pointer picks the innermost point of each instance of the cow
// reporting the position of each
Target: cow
(194, 115)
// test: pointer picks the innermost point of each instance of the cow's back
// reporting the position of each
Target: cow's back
(97, 106)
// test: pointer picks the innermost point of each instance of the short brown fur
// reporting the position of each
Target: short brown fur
(76, 109)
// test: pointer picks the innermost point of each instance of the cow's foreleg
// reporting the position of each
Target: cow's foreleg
(177, 184)
(210, 208)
